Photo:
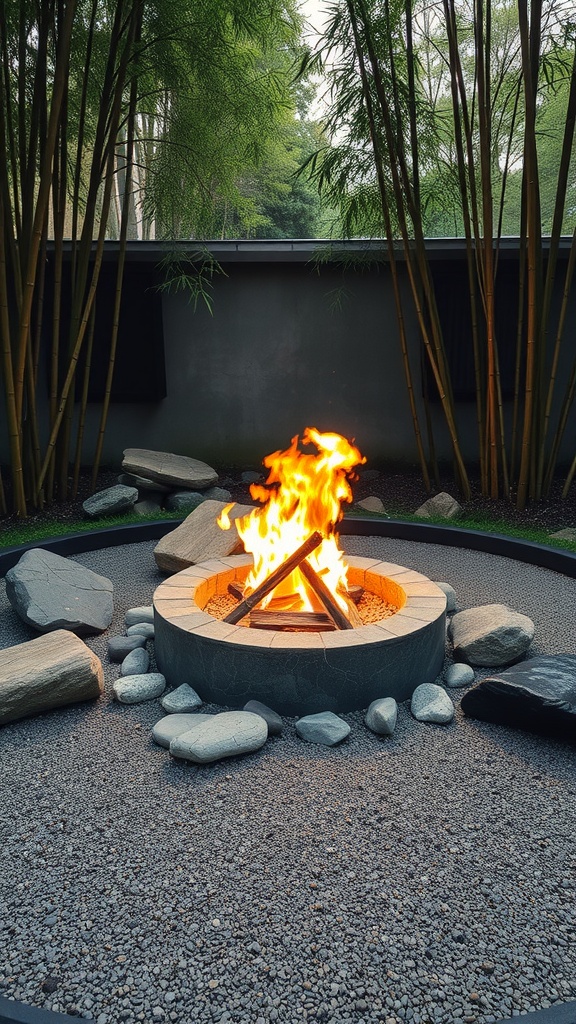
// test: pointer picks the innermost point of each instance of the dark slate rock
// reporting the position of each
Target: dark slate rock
(119, 647)
(538, 695)
(273, 721)
(114, 499)
(50, 592)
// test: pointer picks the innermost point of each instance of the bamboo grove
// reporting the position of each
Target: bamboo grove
(467, 125)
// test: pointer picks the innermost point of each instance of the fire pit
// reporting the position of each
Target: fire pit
(293, 637)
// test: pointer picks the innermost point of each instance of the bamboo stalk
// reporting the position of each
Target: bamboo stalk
(9, 391)
(83, 401)
(276, 577)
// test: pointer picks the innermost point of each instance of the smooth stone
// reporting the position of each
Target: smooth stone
(48, 672)
(183, 501)
(51, 592)
(225, 735)
(431, 703)
(147, 507)
(143, 614)
(141, 629)
(568, 533)
(167, 468)
(172, 726)
(114, 499)
(538, 695)
(459, 675)
(450, 596)
(199, 538)
(137, 689)
(120, 646)
(371, 504)
(136, 663)
(217, 494)
(273, 720)
(142, 483)
(381, 716)
(182, 699)
(442, 506)
(325, 728)
(491, 634)
(250, 476)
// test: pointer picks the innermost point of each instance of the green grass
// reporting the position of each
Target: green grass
(28, 533)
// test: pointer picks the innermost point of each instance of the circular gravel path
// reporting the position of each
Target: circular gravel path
(427, 877)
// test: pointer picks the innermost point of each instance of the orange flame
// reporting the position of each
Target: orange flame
(303, 494)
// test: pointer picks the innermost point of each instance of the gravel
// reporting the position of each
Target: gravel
(426, 877)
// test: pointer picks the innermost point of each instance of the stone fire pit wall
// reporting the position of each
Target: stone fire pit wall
(300, 673)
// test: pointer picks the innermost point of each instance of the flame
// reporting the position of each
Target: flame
(303, 494)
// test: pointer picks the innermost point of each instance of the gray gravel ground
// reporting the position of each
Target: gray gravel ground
(427, 877)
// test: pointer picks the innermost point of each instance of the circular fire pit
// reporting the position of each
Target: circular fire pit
(300, 673)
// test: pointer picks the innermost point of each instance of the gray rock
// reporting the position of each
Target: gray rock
(371, 504)
(250, 476)
(217, 494)
(381, 716)
(137, 689)
(273, 721)
(431, 703)
(491, 634)
(182, 699)
(568, 533)
(199, 538)
(324, 728)
(50, 592)
(450, 596)
(136, 663)
(141, 629)
(145, 613)
(172, 726)
(120, 646)
(442, 506)
(166, 468)
(114, 499)
(143, 484)
(183, 501)
(48, 672)
(459, 675)
(147, 507)
(225, 735)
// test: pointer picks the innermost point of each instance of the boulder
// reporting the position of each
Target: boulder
(199, 538)
(441, 506)
(324, 728)
(217, 494)
(225, 735)
(172, 726)
(431, 703)
(381, 716)
(371, 504)
(114, 499)
(450, 596)
(181, 700)
(131, 480)
(491, 634)
(48, 672)
(166, 468)
(147, 507)
(459, 675)
(50, 592)
(119, 647)
(136, 663)
(184, 501)
(273, 720)
(141, 629)
(145, 613)
(538, 695)
(137, 689)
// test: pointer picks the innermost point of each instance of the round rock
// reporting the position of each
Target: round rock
(120, 646)
(182, 699)
(114, 499)
(491, 634)
(225, 735)
(141, 629)
(273, 721)
(381, 716)
(137, 689)
(371, 504)
(459, 675)
(431, 703)
(184, 501)
(136, 663)
(168, 728)
(325, 728)
(450, 596)
(143, 614)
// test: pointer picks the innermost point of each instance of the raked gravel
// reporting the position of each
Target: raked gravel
(427, 877)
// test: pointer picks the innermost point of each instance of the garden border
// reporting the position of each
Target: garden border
(14, 1012)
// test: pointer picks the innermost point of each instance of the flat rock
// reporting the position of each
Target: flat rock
(182, 699)
(225, 735)
(431, 703)
(450, 596)
(273, 720)
(199, 538)
(145, 613)
(325, 728)
(141, 629)
(166, 468)
(371, 504)
(459, 675)
(491, 634)
(441, 506)
(120, 646)
(172, 726)
(568, 533)
(147, 507)
(136, 663)
(538, 695)
(142, 483)
(381, 716)
(137, 689)
(184, 501)
(50, 592)
(114, 499)
(48, 672)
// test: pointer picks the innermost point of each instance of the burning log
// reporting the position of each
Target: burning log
(321, 590)
(309, 622)
(276, 577)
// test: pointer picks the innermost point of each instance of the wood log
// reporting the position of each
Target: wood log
(274, 579)
(355, 592)
(236, 590)
(321, 591)
(308, 622)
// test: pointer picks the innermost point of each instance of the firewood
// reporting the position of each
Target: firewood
(354, 592)
(309, 622)
(274, 579)
(321, 591)
(236, 589)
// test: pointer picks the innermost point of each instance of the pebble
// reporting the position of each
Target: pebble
(136, 663)
(145, 613)
(381, 716)
(138, 688)
(141, 629)
(180, 700)
(120, 646)
(171, 726)
(431, 703)
(450, 595)
(324, 728)
(459, 675)
(272, 719)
